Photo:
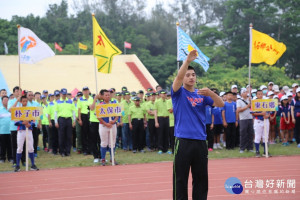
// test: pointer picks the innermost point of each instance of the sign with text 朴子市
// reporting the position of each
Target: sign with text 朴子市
(108, 110)
(264, 105)
(26, 113)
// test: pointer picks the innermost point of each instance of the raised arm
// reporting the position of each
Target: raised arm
(182, 71)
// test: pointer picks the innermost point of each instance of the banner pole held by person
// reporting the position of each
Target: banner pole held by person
(250, 53)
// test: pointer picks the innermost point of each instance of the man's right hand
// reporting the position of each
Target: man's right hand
(192, 56)
(108, 125)
(157, 125)
(225, 124)
(80, 122)
(56, 125)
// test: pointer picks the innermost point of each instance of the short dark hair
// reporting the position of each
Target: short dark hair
(37, 93)
(23, 97)
(2, 90)
(103, 91)
(191, 68)
(16, 88)
(3, 97)
(157, 87)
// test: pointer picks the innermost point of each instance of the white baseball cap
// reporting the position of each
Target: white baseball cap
(234, 86)
(275, 87)
(238, 97)
(243, 90)
(222, 94)
(253, 90)
(270, 83)
(289, 94)
(285, 88)
(262, 87)
(298, 90)
(284, 97)
(270, 93)
(295, 84)
(275, 97)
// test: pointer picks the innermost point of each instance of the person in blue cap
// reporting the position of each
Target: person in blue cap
(190, 131)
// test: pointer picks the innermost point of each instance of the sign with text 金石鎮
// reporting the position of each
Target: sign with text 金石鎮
(26, 113)
(108, 110)
(264, 105)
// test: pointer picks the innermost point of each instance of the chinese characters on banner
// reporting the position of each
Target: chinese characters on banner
(26, 113)
(108, 110)
(264, 105)
(270, 186)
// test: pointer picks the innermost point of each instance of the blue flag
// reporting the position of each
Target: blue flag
(185, 45)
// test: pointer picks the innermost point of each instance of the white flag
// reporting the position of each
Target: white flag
(31, 48)
(5, 48)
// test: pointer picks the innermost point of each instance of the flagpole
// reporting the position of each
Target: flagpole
(177, 24)
(124, 49)
(95, 64)
(250, 55)
(19, 55)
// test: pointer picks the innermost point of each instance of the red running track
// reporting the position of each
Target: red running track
(152, 181)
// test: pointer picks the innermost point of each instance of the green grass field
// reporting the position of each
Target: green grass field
(49, 161)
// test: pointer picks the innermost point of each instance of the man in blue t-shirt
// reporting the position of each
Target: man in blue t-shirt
(230, 120)
(190, 142)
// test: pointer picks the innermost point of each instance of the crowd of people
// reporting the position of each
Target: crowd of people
(147, 122)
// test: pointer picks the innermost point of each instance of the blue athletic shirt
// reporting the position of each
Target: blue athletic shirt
(296, 105)
(285, 109)
(189, 114)
(208, 115)
(230, 112)
(217, 112)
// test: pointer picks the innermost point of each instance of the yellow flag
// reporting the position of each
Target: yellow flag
(82, 46)
(103, 50)
(265, 49)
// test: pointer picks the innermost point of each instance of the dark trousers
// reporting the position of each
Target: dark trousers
(35, 135)
(65, 135)
(153, 134)
(45, 129)
(74, 137)
(237, 136)
(5, 147)
(137, 134)
(119, 137)
(297, 130)
(190, 154)
(246, 134)
(14, 146)
(95, 139)
(54, 133)
(230, 135)
(210, 136)
(171, 138)
(85, 133)
(163, 134)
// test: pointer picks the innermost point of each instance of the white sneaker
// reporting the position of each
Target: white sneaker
(96, 160)
(219, 146)
(224, 144)
(215, 146)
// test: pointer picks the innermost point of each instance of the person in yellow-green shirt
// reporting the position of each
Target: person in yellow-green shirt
(83, 117)
(53, 132)
(151, 122)
(64, 112)
(118, 96)
(137, 120)
(126, 132)
(162, 122)
(94, 129)
(45, 124)
(171, 122)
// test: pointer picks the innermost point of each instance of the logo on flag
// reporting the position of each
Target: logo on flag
(31, 48)
(103, 49)
(82, 46)
(265, 48)
(185, 45)
(57, 47)
(127, 45)
(26, 43)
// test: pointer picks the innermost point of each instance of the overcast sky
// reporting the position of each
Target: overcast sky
(8, 8)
